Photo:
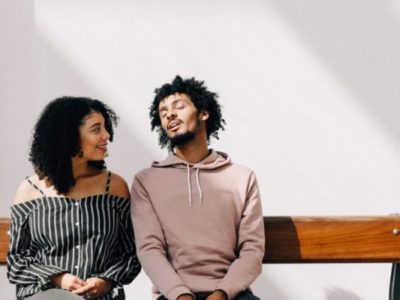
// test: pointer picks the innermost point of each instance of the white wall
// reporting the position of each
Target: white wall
(310, 91)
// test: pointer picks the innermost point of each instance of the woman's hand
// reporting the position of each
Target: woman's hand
(218, 295)
(94, 288)
(185, 297)
(67, 281)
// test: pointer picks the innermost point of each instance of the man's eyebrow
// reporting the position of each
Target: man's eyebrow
(164, 107)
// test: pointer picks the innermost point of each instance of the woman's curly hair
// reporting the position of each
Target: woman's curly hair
(56, 138)
(202, 98)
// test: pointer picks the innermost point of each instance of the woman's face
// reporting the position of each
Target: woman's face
(94, 137)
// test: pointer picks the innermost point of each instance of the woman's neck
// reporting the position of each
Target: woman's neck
(81, 168)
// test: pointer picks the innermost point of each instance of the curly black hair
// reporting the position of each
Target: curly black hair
(56, 138)
(202, 98)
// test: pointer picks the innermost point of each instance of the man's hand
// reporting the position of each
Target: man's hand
(185, 297)
(94, 288)
(217, 295)
(67, 281)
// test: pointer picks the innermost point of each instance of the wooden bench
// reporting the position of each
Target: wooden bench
(372, 239)
(355, 239)
(4, 239)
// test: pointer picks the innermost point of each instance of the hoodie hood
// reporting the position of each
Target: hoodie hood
(213, 161)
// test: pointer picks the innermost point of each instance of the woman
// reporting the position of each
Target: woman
(71, 233)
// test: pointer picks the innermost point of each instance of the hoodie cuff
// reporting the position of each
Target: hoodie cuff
(230, 290)
(176, 292)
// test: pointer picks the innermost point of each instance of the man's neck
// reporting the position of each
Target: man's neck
(192, 152)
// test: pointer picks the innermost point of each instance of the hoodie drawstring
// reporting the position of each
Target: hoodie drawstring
(190, 186)
(198, 186)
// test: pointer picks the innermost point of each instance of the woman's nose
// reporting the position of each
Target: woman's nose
(106, 135)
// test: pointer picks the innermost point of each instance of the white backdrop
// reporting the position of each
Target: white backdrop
(310, 92)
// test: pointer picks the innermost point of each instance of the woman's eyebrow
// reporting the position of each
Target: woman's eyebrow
(95, 124)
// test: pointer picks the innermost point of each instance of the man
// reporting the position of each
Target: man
(196, 215)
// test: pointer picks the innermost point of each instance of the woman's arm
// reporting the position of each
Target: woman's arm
(23, 265)
(126, 266)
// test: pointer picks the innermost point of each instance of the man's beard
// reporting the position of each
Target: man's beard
(181, 139)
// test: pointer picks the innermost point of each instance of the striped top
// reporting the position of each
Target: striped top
(87, 237)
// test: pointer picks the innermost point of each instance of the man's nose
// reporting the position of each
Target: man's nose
(171, 114)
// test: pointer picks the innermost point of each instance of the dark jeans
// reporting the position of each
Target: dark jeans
(245, 295)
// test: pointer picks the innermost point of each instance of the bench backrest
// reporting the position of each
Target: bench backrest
(332, 239)
(313, 239)
(317, 239)
(4, 239)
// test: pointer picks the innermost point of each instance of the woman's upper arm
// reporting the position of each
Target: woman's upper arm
(118, 186)
(25, 192)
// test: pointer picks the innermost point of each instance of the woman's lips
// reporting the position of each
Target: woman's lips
(102, 147)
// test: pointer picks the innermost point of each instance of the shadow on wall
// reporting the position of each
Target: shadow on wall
(288, 236)
(52, 77)
(46, 75)
(16, 93)
(264, 288)
(281, 239)
(337, 293)
(128, 154)
(360, 41)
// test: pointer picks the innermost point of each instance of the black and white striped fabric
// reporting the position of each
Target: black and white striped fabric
(88, 237)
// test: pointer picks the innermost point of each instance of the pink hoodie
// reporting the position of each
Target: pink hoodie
(198, 227)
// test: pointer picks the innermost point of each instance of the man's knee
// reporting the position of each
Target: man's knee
(246, 295)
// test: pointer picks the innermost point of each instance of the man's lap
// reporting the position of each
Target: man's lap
(245, 295)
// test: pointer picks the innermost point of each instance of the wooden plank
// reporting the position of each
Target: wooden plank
(313, 239)
(4, 239)
(332, 239)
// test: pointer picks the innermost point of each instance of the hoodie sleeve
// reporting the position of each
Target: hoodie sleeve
(251, 245)
(151, 245)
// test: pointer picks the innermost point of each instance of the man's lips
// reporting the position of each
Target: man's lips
(173, 125)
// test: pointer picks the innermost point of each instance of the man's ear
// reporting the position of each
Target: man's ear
(204, 115)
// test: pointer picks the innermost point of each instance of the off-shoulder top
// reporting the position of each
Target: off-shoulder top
(87, 237)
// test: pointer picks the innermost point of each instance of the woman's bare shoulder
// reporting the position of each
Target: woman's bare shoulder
(26, 191)
(118, 186)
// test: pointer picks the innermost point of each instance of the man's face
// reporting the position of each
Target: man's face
(179, 117)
